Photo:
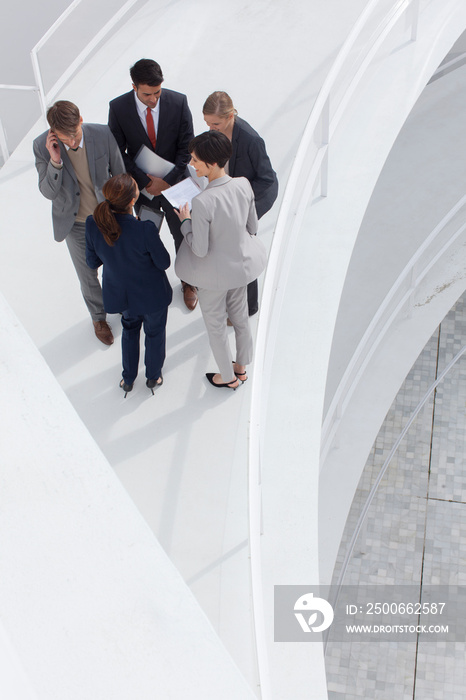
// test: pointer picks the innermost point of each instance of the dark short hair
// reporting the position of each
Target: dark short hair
(211, 147)
(63, 116)
(146, 72)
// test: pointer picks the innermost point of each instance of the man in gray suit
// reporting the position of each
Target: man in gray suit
(74, 160)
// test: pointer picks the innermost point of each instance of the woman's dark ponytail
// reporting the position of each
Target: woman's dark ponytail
(119, 192)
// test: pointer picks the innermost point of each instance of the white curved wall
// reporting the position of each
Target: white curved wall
(305, 503)
(420, 183)
(404, 209)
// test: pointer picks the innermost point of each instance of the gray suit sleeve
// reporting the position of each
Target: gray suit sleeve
(116, 163)
(50, 177)
(252, 223)
(196, 230)
(118, 134)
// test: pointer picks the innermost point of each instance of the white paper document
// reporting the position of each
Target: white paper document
(147, 194)
(152, 164)
(201, 181)
(182, 192)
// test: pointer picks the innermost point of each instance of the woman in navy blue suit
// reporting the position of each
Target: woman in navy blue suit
(133, 280)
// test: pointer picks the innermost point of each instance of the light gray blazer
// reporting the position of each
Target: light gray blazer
(220, 250)
(61, 185)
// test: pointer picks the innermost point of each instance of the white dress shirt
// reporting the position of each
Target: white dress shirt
(142, 111)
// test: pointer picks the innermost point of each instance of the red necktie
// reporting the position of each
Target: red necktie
(150, 127)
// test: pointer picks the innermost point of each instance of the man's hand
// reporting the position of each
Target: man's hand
(53, 147)
(156, 185)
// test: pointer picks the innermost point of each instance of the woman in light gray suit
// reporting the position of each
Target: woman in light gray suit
(220, 254)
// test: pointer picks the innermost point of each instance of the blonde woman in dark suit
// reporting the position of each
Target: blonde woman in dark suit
(220, 255)
(248, 159)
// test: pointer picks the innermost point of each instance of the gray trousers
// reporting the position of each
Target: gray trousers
(90, 285)
(216, 307)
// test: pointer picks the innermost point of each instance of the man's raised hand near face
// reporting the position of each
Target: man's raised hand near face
(53, 146)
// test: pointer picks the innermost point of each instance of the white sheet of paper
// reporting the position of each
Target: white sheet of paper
(147, 194)
(182, 192)
(152, 164)
(201, 181)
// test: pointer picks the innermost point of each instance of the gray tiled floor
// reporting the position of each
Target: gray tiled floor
(415, 530)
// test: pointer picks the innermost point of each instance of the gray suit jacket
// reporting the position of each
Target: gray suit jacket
(60, 184)
(220, 250)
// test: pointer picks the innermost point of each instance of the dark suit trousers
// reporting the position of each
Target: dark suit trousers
(253, 298)
(155, 336)
(173, 221)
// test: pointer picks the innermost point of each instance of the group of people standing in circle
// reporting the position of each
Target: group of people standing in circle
(218, 254)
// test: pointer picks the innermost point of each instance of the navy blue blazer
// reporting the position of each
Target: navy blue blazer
(249, 159)
(174, 132)
(133, 277)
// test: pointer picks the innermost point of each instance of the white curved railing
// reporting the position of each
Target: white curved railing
(306, 169)
(400, 294)
(47, 95)
(80, 58)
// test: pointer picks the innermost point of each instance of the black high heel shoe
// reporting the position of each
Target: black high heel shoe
(241, 374)
(210, 376)
(154, 383)
(126, 387)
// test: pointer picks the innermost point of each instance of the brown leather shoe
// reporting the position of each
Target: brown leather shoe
(103, 332)
(189, 295)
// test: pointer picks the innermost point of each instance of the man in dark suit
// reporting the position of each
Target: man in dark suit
(74, 161)
(161, 120)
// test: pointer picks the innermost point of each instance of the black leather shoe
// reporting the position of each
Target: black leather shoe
(154, 383)
(126, 387)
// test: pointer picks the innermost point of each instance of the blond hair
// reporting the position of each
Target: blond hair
(219, 103)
